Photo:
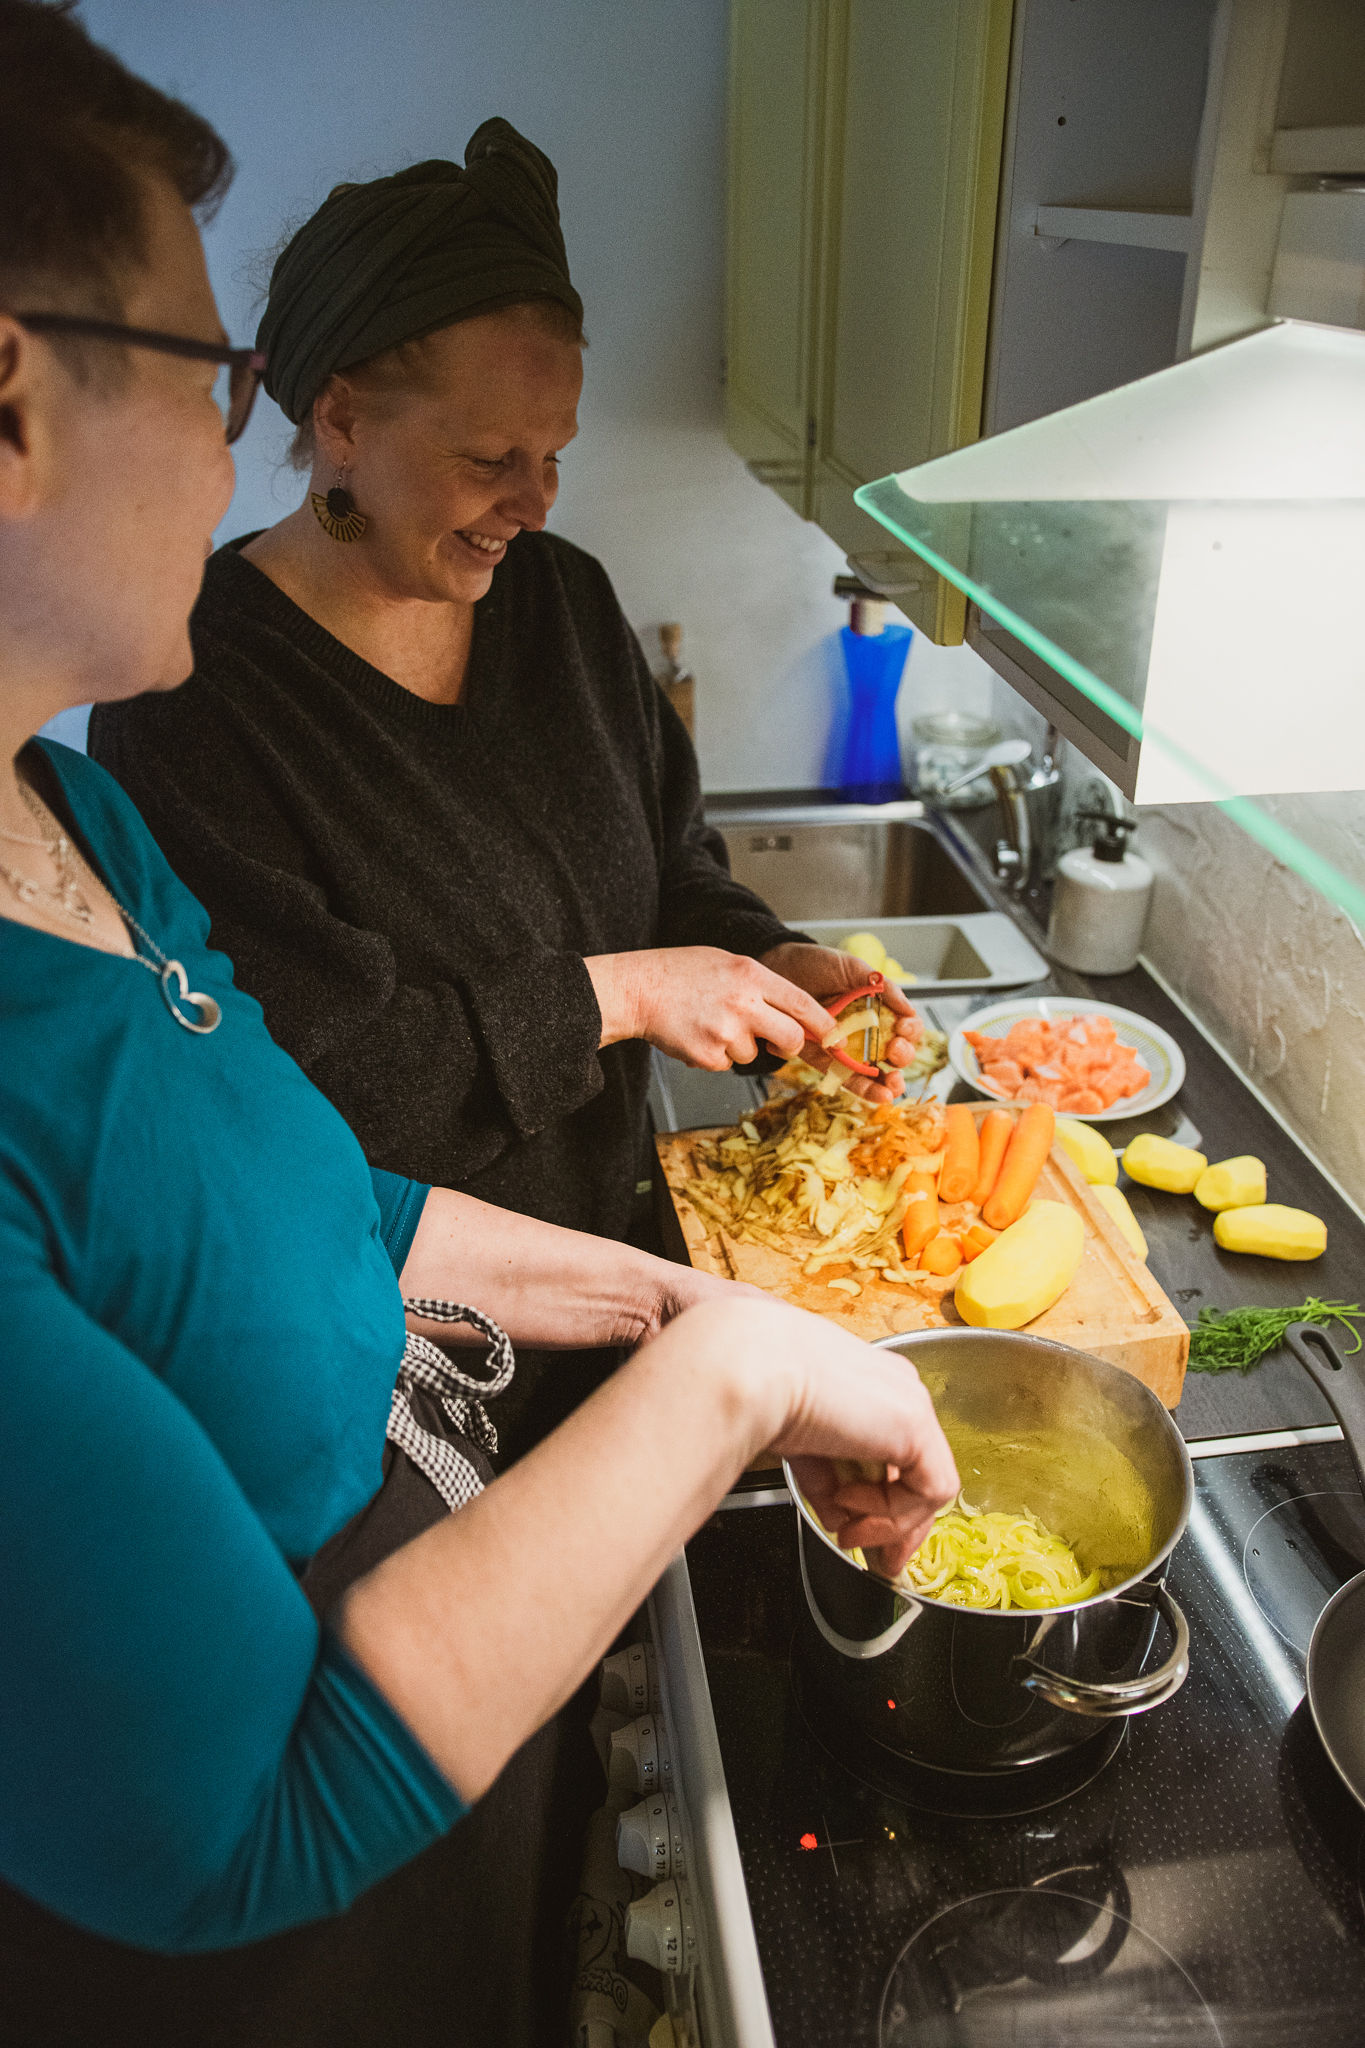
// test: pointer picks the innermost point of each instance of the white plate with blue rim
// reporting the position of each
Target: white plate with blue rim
(1156, 1049)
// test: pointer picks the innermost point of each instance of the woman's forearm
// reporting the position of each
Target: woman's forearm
(548, 1287)
(478, 1630)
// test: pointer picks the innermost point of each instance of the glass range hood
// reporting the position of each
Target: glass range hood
(1185, 551)
(1187, 555)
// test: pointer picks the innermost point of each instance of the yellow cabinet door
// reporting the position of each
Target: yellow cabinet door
(777, 104)
(913, 130)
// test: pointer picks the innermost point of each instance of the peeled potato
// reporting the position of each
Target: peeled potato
(1118, 1206)
(1158, 1163)
(1092, 1153)
(1271, 1230)
(1232, 1184)
(893, 970)
(867, 946)
(1030, 1265)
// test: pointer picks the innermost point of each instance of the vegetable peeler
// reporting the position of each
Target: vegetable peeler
(836, 1005)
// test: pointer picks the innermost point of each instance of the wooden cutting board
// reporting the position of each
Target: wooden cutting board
(1113, 1308)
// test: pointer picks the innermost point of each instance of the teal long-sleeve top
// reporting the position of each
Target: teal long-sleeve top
(200, 1327)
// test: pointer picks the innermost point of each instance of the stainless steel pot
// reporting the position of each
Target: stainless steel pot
(1095, 1456)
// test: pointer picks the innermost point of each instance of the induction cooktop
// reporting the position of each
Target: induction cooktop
(1204, 1885)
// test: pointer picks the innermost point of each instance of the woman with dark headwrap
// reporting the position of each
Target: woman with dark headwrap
(442, 818)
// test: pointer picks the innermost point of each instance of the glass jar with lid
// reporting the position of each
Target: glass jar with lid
(946, 745)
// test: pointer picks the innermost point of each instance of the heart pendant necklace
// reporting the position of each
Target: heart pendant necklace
(191, 1009)
(176, 992)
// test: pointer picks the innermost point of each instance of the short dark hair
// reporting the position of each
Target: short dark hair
(79, 133)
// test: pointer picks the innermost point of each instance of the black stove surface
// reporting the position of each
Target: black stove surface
(1206, 1887)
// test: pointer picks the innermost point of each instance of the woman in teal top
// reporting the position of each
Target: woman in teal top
(243, 1362)
(202, 1281)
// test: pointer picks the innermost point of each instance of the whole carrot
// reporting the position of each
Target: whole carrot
(961, 1155)
(921, 1218)
(942, 1254)
(1028, 1148)
(997, 1128)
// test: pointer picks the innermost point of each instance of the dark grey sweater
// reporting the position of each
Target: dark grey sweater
(410, 888)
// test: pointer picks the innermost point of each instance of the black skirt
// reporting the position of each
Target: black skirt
(462, 1948)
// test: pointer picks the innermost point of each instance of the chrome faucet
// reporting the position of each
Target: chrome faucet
(1016, 848)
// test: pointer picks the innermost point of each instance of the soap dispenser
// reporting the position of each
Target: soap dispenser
(1100, 901)
(874, 662)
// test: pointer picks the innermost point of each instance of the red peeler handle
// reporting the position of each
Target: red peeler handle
(836, 1005)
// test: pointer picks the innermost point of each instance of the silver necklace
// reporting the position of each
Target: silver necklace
(63, 895)
(67, 900)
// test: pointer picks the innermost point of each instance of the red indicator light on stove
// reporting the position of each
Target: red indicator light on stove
(809, 1842)
(892, 1705)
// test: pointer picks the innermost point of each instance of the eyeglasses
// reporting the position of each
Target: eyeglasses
(245, 366)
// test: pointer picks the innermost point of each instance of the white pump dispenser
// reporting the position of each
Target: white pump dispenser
(1100, 901)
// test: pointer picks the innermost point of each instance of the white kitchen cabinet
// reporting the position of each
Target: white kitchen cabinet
(1286, 104)
(1320, 104)
(950, 217)
(1106, 99)
(1173, 121)
(1097, 222)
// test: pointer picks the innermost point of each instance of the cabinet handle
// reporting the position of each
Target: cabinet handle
(779, 469)
(888, 575)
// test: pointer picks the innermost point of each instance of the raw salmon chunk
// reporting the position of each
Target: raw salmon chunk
(1077, 1064)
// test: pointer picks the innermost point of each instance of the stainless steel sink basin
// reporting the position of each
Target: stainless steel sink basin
(831, 870)
(846, 861)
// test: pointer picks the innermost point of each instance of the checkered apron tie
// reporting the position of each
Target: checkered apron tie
(461, 1397)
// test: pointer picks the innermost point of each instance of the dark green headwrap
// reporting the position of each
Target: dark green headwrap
(385, 262)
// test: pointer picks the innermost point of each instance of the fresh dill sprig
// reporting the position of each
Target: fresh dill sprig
(1236, 1339)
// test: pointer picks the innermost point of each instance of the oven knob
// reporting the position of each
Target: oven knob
(638, 1758)
(659, 1928)
(649, 1838)
(630, 1681)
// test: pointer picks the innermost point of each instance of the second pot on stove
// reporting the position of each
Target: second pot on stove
(1094, 1455)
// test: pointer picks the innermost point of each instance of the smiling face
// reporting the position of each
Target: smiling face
(450, 448)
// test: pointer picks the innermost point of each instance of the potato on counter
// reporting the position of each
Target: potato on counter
(1271, 1231)
(1159, 1163)
(1232, 1184)
(1090, 1151)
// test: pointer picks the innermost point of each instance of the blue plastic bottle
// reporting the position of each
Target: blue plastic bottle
(870, 771)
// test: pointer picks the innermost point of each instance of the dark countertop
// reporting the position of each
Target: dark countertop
(1182, 1254)
(1277, 1394)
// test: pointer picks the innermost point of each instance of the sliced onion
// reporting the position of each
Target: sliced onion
(972, 1558)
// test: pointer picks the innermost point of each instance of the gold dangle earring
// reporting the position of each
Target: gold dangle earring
(336, 513)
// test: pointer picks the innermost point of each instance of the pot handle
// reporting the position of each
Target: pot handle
(1110, 1700)
(1342, 1389)
(849, 1646)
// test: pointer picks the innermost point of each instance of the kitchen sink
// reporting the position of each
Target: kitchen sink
(845, 861)
(833, 869)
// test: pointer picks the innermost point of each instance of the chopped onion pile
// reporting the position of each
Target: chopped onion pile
(820, 1174)
(975, 1559)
